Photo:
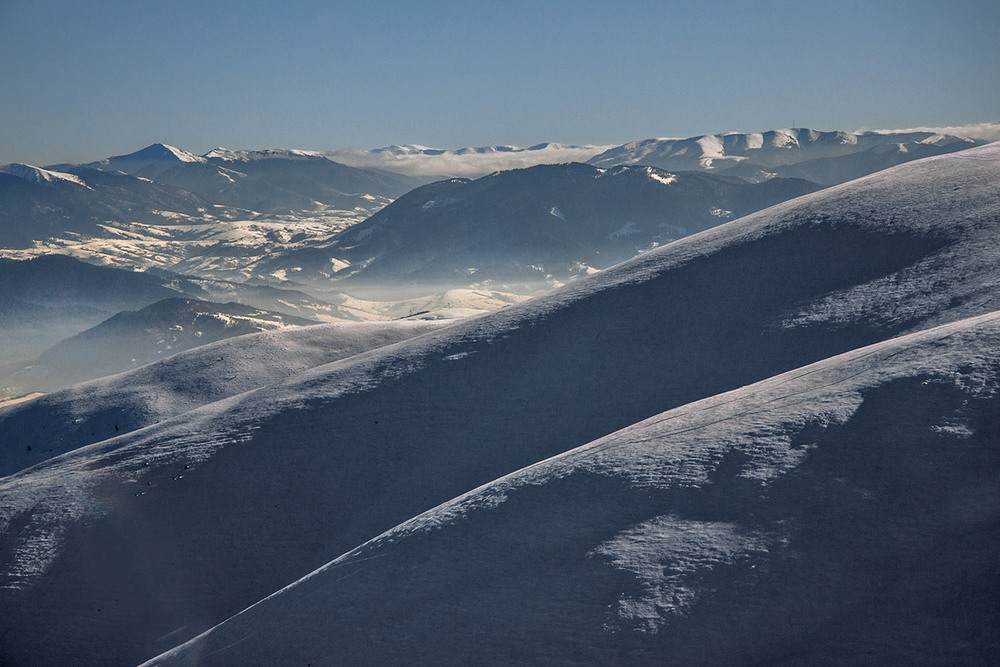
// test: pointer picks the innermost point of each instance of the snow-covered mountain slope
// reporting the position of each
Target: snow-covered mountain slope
(212, 247)
(36, 203)
(472, 162)
(533, 226)
(832, 157)
(844, 512)
(31, 174)
(131, 339)
(171, 529)
(285, 180)
(101, 409)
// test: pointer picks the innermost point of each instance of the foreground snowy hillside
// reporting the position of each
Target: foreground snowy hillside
(115, 552)
(841, 513)
(101, 409)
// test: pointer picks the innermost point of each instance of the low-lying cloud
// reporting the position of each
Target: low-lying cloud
(981, 131)
(419, 161)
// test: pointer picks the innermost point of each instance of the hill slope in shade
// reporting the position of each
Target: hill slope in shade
(530, 226)
(53, 297)
(172, 528)
(59, 422)
(49, 298)
(131, 339)
(844, 512)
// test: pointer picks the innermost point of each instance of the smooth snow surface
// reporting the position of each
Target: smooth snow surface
(100, 409)
(841, 512)
(171, 529)
(32, 174)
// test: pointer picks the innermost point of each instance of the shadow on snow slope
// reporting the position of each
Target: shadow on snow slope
(845, 512)
(93, 411)
(172, 528)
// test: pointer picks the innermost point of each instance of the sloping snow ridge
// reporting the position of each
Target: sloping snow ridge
(32, 174)
(116, 405)
(117, 551)
(832, 513)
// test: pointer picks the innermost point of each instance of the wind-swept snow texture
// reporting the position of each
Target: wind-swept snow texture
(172, 528)
(59, 422)
(841, 513)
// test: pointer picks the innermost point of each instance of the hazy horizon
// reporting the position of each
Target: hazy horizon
(87, 81)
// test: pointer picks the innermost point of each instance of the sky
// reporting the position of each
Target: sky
(80, 81)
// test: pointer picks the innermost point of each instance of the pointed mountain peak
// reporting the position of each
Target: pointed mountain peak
(160, 151)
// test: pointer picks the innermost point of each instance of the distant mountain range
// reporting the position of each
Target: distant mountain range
(264, 181)
(544, 224)
(225, 214)
(469, 162)
(827, 158)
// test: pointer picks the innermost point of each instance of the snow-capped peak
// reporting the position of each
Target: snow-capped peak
(33, 174)
(157, 152)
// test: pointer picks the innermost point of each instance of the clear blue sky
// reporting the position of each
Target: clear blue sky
(84, 80)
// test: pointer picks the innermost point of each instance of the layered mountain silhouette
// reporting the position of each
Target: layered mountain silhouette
(265, 181)
(52, 297)
(795, 518)
(131, 339)
(550, 222)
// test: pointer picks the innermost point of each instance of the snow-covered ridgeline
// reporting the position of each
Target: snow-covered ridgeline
(26, 172)
(116, 405)
(683, 537)
(766, 149)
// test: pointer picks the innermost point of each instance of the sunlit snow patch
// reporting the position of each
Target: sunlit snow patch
(661, 177)
(666, 554)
